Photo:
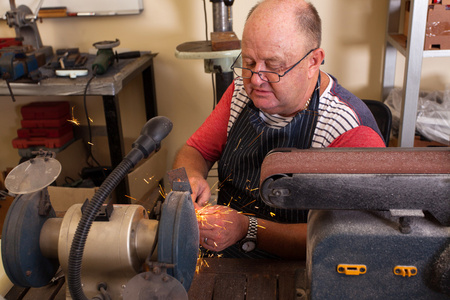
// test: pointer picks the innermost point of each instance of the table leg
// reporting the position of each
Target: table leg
(115, 141)
(148, 79)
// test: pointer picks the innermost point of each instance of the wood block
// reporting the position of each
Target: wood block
(226, 40)
(52, 12)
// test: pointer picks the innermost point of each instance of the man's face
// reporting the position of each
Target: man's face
(275, 46)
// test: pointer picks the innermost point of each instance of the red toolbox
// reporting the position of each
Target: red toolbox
(58, 142)
(49, 123)
(45, 124)
(45, 110)
(50, 132)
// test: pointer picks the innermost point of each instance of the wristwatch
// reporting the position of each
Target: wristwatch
(248, 243)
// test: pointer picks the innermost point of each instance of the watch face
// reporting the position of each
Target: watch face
(248, 246)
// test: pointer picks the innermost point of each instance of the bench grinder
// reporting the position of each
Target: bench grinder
(379, 219)
(104, 250)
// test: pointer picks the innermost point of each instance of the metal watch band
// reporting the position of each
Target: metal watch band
(252, 228)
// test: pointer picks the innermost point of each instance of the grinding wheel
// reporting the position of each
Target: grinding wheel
(21, 254)
(178, 237)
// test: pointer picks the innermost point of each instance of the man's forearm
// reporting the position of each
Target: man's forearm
(194, 163)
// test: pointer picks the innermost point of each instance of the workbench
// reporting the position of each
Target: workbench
(249, 279)
(218, 279)
(107, 86)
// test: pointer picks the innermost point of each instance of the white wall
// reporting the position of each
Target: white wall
(353, 38)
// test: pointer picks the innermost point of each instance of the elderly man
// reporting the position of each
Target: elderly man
(280, 98)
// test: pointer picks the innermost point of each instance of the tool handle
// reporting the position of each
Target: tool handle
(127, 55)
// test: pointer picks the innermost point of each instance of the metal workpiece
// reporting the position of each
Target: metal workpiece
(359, 179)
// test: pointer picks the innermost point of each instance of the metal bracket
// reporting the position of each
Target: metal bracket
(179, 180)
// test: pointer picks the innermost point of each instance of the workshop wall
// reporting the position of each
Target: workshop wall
(353, 39)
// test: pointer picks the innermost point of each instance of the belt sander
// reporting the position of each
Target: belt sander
(106, 251)
(379, 219)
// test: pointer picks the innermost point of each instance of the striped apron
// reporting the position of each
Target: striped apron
(249, 141)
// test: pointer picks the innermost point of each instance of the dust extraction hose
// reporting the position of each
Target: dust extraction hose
(146, 144)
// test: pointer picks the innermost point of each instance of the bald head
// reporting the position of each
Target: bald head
(302, 15)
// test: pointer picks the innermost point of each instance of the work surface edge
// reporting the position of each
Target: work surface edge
(108, 84)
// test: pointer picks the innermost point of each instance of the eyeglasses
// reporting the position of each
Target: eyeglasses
(267, 76)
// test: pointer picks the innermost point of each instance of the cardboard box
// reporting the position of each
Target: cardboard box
(438, 24)
(437, 33)
(64, 197)
(145, 177)
(142, 181)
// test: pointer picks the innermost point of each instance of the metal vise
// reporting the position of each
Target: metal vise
(379, 225)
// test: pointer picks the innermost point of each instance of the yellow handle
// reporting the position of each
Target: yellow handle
(351, 269)
(405, 271)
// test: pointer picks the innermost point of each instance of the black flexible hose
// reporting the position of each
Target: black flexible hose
(89, 214)
(153, 132)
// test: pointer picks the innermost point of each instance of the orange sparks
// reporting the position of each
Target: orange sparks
(256, 138)
(260, 226)
(248, 203)
(162, 192)
(272, 214)
(247, 214)
(226, 179)
(130, 197)
(212, 188)
(148, 181)
(238, 144)
(74, 120)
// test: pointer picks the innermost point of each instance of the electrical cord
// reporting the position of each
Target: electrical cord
(6, 77)
(206, 19)
(10, 90)
(207, 39)
(90, 155)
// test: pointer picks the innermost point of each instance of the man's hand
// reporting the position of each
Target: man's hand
(220, 227)
(201, 192)
(197, 169)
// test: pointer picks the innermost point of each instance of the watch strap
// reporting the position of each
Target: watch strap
(252, 228)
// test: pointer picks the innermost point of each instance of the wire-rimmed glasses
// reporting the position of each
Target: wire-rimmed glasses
(268, 76)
